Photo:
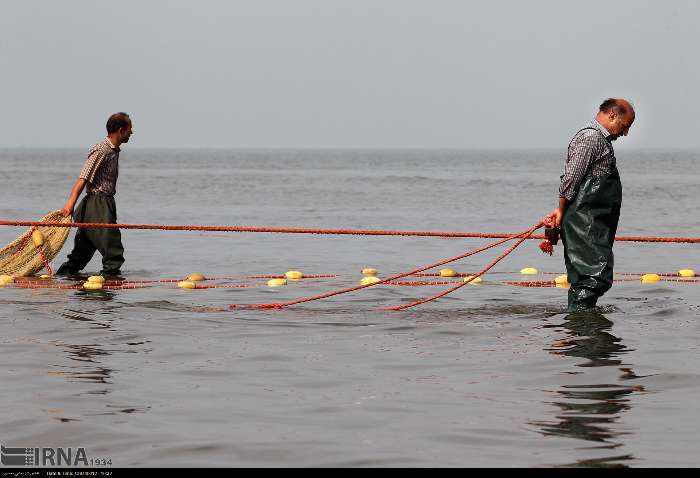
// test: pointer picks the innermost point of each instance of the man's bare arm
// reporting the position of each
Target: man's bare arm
(73, 198)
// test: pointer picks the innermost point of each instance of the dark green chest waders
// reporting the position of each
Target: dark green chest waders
(588, 232)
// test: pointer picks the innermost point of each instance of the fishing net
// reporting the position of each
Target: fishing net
(23, 257)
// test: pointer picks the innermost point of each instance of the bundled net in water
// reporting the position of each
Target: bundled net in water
(23, 257)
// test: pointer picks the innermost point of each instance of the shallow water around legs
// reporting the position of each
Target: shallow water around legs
(491, 375)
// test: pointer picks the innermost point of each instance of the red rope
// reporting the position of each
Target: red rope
(122, 282)
(235, 286)
(623, 274)
(388, 279)
(167, 281)
(324, 276)
(537, 283)
(467, 281)
(124, 287)
(35, 285)
(27, 285)
(287, 230)
(437, 274)
(420, 283)
(553, 284)
(643, 273)
(46, 262)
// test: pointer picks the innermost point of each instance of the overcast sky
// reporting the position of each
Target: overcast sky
(346, 73)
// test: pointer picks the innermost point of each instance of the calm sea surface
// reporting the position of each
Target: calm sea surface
(491, 375)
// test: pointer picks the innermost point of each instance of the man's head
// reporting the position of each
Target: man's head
(617, 116)
(119, 128)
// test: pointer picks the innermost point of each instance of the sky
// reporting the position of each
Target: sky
(346, 73)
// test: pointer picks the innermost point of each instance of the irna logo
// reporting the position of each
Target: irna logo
(43, 456)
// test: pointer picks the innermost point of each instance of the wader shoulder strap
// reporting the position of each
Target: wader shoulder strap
(584, 129)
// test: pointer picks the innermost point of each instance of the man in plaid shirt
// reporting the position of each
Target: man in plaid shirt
(99, 175)
(590, 197)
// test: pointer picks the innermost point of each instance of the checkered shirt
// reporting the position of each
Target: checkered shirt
(590, 153)
(101, 169)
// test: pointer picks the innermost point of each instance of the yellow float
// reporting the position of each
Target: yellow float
(529, 271)
(37, 238)
(448, 273)
(187, 284)
(6, 279)
(195, 277)
(92, 285)
(476, 280)
(369, 271)
(276, 282)
(561, 280)
(686, 273)
(650, 278)
(96, 279)
(293, 275)
(369, 280)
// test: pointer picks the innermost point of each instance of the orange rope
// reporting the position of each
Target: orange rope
(621, 274)
(643, 273)
(235, 286)
(437, 274)
(35, 285)
(169, 281)
(389, 279)
(93, 225)
(420, 283)
(29, 285)
(537, 283)
(121, 287)
(46, 262)
(467, 281)
(123, 282)
(553, 284)
(324, 276)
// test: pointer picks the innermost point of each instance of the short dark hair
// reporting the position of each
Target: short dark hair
(117, 121)
(612, 104)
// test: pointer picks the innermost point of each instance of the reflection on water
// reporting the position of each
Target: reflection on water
(90, 358)
(89, 369)
(590, 411)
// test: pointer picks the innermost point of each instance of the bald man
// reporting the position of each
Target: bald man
(590, 196)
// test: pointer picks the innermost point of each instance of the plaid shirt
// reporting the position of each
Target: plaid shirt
(590, 153)
(101, 169)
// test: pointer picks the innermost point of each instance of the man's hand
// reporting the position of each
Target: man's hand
(553, 219)
(67, 210)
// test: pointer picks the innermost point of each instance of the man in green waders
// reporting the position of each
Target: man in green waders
(99, 174)
(590, 196)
